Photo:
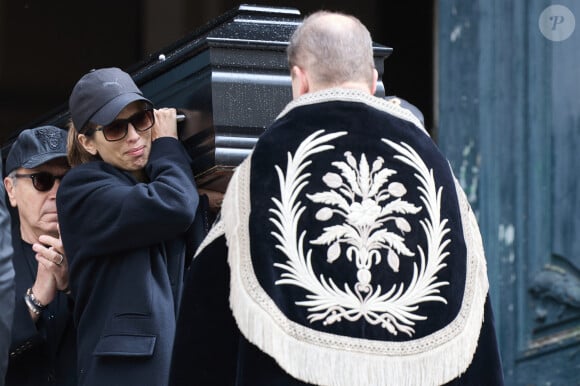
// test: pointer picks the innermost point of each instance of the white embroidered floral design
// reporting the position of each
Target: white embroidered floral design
(359, 202)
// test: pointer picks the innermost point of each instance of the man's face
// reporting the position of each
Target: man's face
(36, 209)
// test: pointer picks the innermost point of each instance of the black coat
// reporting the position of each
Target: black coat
(6, 281)
(41, 353)
(126, 245)
(346, 254)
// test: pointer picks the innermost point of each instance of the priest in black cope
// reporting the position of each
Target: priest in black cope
(346, 253)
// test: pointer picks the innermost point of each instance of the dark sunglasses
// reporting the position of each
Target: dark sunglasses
(42, 181)
(118, 129)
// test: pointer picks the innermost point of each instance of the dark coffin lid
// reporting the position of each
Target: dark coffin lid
(230, 78)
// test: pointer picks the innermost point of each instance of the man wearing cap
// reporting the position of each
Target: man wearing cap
(42, 350)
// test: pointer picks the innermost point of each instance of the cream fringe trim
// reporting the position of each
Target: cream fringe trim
(325, 359)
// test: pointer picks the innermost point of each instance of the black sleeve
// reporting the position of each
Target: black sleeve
(124, 214)
(207, 336)
(486, 367)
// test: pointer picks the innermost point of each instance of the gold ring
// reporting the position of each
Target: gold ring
(61, 259)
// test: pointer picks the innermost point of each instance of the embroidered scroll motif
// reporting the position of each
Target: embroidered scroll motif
(374, 210)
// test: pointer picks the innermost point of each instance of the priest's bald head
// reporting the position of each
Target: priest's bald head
(329, 50)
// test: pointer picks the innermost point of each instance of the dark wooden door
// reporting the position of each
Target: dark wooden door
(509, 120)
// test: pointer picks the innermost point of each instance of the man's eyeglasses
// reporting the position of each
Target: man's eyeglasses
(118, 129)
(42, 181)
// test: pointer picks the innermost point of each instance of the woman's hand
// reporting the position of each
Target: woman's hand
(165, 124)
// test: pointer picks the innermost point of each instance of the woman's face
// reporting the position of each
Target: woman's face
(130, 153)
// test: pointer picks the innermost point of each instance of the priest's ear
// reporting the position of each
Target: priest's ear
(374, 81)
(300, 83)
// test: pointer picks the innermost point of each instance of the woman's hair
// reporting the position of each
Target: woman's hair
(334, 53)
(76, 153)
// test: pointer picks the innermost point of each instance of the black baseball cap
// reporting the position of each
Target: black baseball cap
(34, 147)
(100, 95)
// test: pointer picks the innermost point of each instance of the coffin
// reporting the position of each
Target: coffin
(230, 79)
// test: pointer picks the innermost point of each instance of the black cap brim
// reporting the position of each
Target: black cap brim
(111, 109)
(40, 159)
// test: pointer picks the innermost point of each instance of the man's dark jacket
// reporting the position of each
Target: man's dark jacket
(41, 353)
